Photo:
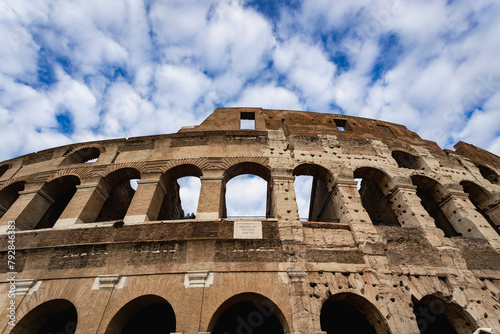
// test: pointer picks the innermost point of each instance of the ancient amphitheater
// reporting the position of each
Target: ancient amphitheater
(414, 250)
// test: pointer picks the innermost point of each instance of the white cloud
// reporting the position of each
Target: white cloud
(246, 196)
(269, 97)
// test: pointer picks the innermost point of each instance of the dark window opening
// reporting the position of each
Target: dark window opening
(85, 155)
(3, 169)
(488, 174)
(248, 317)
(145, 314)
(55, 316)
(119, 187)
(342, 125)
(313, 193)
(376, 204)
(429, 197)
(406, 160)
(338, 316)
(482, 200)
(182, 190)
(56, 209)
(116, 206)
(157, 318)
(9, 195)
(247, 120)
(435, 316)
(373, 198)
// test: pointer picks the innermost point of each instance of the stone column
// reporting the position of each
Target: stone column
(211, 204)
(284, 205)
(84, 206)
(147, 200)
(299, 302)
(28, 209)
(466, 220)
(349, 208)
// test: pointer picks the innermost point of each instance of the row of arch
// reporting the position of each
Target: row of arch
(116, 194)
(251, 313)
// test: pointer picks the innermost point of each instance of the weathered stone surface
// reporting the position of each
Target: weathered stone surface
(421, 231)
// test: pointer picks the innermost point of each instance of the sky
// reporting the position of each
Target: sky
(73, 71)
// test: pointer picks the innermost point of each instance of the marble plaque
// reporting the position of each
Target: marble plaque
(248, 230)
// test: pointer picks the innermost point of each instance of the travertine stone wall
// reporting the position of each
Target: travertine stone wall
(447, 257)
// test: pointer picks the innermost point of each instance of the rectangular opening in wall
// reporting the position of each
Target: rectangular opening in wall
(247, 120)
(341, 124)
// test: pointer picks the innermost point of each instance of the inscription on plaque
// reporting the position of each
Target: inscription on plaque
(248, 230)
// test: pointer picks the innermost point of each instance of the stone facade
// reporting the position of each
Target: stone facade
(417, 246)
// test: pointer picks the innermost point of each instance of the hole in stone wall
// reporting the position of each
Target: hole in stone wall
(373, 198)
(9, 195)
(246, 196)
(189, 193)
(85, 155)
(406, 160)
(247, 120)
(303, 189)
(55, 316)
(489, 174)
(313, 193)
(3, 169)
(429, 196)
(342, 125)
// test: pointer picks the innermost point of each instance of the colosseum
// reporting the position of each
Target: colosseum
(401, 237)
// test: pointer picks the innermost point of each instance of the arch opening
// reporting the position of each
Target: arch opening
(489, 174)
(349, 313)
(248, 313)
(55, 316)
(9, 195)
(483, 201)
(3, 169)
(435, 316)
(431, 194)
(373, 188)
(120, 193)
(313, 190)
(84, 155)
(247, 191)
(182, 190)
(407, 160)
(61, 190)
(146, 314)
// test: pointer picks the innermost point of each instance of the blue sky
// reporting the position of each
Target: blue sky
(73, 71)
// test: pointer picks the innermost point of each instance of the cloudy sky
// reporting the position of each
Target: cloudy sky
(74, 71)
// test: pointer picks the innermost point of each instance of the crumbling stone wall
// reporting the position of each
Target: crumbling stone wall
(376, 250)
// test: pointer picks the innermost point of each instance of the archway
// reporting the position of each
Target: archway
(350, 313)
(175, 181)
(247, 191)
(320, 206)
(55, 316)
(61, 190)
(248, 313)
(9, 195)
(431, 194)
(84, 155)
(489, 174)
(435, 316)
(407, 160)
(120, 193)
(374, 186)
(484, 201)
(146, 314)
